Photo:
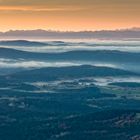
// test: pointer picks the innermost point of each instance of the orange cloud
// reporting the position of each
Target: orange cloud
(69, 15)
(38, 8)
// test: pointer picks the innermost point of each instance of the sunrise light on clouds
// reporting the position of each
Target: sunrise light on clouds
(69, 15)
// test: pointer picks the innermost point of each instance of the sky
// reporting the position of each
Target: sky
(69, 15)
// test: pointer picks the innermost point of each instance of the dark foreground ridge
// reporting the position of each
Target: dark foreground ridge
(50, 74)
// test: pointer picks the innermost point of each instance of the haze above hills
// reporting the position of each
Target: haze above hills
(49, 34)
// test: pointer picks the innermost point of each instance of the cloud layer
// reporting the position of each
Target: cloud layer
(69, 15)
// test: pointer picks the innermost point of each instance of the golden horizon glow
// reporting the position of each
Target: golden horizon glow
(74, 15)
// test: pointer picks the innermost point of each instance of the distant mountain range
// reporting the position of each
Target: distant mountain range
(21, 43)
(48, 34)
(92, 56)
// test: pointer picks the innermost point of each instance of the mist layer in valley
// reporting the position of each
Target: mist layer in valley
(69, 90)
